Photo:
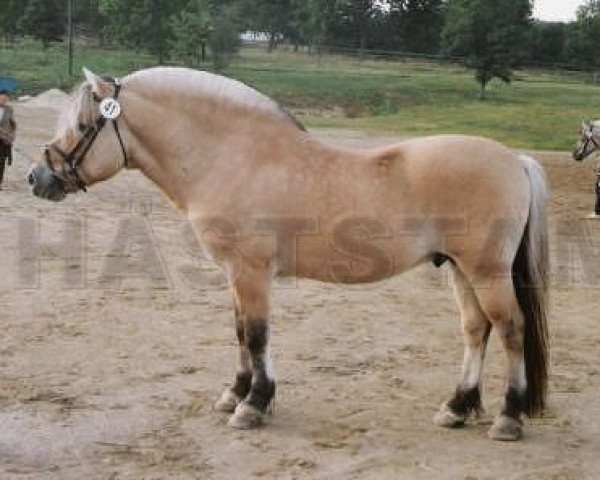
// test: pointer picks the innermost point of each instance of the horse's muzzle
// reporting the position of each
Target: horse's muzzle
(45, 184)
(578, 155)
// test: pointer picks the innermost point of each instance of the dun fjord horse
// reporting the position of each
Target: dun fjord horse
(267, 199)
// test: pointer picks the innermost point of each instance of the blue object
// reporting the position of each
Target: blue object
(8, 84)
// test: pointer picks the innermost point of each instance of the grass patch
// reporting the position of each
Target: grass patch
(540, 110)
(38, 70)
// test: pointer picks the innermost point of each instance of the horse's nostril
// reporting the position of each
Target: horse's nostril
(30, 175)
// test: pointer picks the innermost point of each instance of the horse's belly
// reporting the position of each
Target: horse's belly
(350, 260)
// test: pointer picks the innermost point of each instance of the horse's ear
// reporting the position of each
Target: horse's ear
(99, 86)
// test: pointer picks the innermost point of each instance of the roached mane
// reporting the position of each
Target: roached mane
(210, 85)
(81, 107)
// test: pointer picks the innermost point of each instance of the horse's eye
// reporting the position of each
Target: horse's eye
(82, 127)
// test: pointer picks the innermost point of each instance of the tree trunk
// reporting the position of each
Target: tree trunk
(272, 41)
(482, 91)
(203, 51)
(362, 37)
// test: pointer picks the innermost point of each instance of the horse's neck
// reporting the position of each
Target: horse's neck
(191, 155)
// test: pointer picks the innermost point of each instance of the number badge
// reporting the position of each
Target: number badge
(110, 108)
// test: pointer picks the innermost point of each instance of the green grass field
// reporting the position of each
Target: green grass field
(538, 110)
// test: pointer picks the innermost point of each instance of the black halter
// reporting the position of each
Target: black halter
(589, 138)
(76, 156)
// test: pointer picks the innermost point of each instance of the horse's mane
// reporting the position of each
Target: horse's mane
(212, 85)
(183, 79)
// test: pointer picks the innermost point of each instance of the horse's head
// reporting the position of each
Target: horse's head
(88, 146)
(589, 141)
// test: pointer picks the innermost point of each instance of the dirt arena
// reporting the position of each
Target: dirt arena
(105, 377)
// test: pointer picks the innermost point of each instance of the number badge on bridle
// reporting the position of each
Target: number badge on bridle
(110, 108)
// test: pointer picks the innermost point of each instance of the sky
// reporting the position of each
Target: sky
(556, 10)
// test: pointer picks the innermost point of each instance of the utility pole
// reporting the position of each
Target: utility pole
(70, 34)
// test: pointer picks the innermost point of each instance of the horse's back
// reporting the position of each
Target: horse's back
(453, 170)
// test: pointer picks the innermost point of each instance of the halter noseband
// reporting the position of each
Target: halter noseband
(76, 156)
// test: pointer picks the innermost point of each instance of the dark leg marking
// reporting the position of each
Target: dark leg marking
(465, 401)
(262, 388)
(243, 379)
(243, 382)
(516, 403)
(239, 326)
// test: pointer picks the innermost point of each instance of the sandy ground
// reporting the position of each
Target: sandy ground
(102, 377)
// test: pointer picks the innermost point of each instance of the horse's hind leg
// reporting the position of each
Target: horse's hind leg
(499, 302)
(476, 330)
(251, 291)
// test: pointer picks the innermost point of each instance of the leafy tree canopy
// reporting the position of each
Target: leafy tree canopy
(489, 34)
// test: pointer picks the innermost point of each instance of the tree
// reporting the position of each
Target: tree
(142, 23)
(488, 34)
(584, 38)
(44, 20)
(417, 24)
(206, 23)
(89, 19)
(548, 42)
(191, 30)
(224, 39)
(358, 15)
(310, 21)
(10, 14)
(270, 16)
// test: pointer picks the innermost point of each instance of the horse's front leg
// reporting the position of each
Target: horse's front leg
(232, 396)
(251, 294)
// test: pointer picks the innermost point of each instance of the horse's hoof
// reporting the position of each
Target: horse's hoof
(506, 429)
(447, 418)
(246, 417)
(227, 402)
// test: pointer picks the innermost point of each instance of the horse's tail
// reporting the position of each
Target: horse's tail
(531, 279)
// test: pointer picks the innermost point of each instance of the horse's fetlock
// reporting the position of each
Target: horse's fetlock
(243, 383)
(466, 401)
(515, 403)
(261, 394)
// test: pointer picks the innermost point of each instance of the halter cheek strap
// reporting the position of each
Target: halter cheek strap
(118, 87)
